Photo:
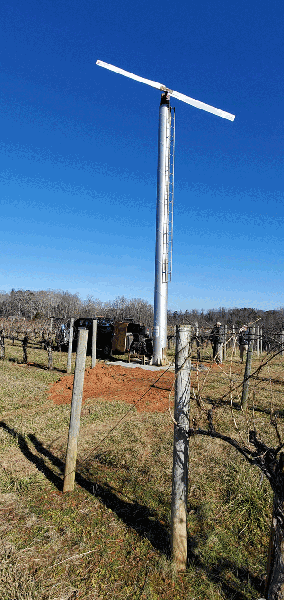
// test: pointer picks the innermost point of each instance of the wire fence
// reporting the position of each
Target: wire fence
(201, 404)
(218, 412)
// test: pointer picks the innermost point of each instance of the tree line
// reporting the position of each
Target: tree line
(57, 304)
(44, 304)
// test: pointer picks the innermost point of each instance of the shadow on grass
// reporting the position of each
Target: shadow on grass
(270, 379)
(33, 458)
(225, 573)
(37, 365)
(233, 587)
(234, 583)
(142, 520)
(134, 515)
(236, 406)
(45, 368)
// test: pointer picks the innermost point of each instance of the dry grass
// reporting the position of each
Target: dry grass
(110, 537)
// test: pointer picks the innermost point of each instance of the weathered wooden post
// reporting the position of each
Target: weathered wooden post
(257, 341)
(196, 326)
(2, 344)
(74, 427)
(244, 400)
(233, 340)
(49, 353)
(180, 452)
(220, 349)
(94, 343)
(282, 342)
(69, 358)
(260, 340)
(225, 343)
(220, 345)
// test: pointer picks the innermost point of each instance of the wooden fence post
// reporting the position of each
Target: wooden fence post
(244, 400)
(49, 353)
(2, 344)
(233, 342)
(282, 342)
(197, 341)
(180, 451)
(74, 427)
(225, 343)
(94, 343)
(257, 341)
(260, 340)
(69, 358)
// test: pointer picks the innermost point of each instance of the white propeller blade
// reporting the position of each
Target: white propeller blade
(207, 107)
(163, 88)
(154, 84)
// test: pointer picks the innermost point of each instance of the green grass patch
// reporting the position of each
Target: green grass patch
(110, 537)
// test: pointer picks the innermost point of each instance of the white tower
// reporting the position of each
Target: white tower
(163, 227)
(164, 202)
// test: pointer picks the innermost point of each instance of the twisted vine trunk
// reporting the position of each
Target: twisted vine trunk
(275, 567)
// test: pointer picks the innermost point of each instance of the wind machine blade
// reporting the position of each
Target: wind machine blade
(154, 84)
(159, 86)
(202, 105)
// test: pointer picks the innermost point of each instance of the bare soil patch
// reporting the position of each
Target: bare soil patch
(114, 382)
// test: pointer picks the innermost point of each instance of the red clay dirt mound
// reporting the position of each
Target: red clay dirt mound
(114, 382)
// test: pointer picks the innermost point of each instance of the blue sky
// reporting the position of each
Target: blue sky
(78, 149)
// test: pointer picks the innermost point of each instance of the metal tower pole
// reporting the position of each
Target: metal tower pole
(162, 233)
(164, 201)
